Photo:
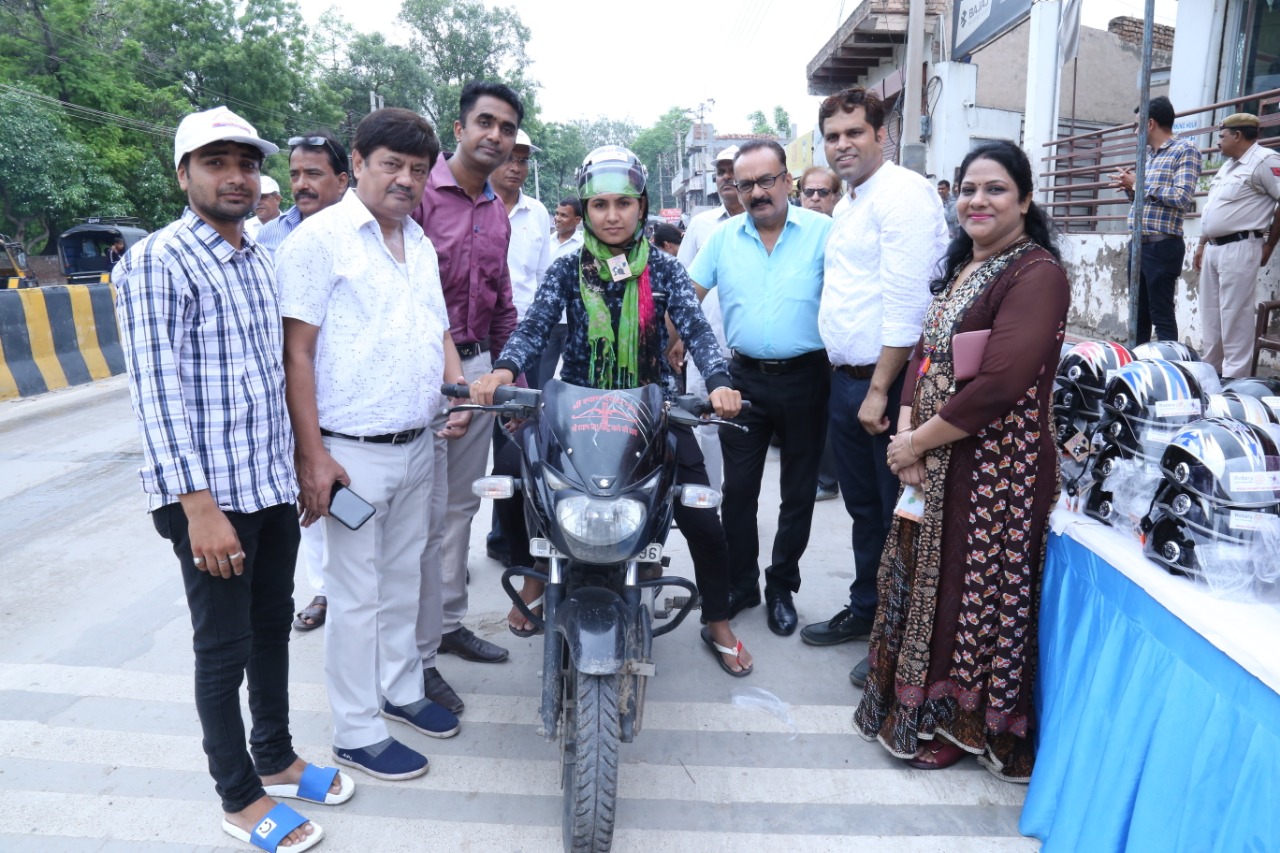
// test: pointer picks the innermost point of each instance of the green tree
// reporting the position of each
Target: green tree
(759, 122)
(393, 72)
(456, 41)
(780, 127)
(563, 150)
(47, 175)
(658, 147)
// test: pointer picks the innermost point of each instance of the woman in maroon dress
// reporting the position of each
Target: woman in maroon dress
(953, 650)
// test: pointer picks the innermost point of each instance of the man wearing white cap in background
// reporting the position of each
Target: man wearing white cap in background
(267, 208)
(220, 485)
(700, 228)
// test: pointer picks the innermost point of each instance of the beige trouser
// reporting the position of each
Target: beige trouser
(373, 580)
(1228, 301)
(452, 507)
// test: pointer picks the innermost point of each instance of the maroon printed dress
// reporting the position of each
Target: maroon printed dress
(953, 649)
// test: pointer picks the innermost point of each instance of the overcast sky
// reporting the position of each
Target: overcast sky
(638, 63)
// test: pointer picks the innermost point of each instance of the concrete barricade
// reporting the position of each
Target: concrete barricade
(52, 337)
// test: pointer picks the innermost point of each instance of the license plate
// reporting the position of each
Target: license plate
(651, 553)
(543, 548)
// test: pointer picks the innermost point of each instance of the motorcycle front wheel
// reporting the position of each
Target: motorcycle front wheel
(592, 734)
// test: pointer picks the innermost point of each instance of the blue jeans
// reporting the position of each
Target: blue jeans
(1161, 266)
(869, 488)
(240, 626)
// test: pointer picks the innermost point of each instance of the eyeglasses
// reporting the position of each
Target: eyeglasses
(764, 183)
(519, 161)
(810, 192)
(320, 142)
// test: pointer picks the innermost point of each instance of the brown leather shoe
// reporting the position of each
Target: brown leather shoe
(312, 616)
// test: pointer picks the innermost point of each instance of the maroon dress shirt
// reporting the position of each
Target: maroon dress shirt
(470, 238)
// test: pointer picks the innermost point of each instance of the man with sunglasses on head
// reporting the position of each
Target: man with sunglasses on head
(767, 266)
(318, 178)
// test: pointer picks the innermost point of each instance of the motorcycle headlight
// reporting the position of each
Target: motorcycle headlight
(596, 521)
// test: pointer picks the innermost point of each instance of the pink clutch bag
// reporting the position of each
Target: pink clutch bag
(966, 353)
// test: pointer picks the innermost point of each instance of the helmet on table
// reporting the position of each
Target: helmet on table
(1145, 403)
(1080, 384)
(1165, 351)
(1230, 404)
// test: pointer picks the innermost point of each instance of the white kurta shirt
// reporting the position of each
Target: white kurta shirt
(888, 236)
(529, 252)
(380, 353)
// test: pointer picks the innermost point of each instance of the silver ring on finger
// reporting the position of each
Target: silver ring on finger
(224, 562)
(238, 555)
(199, 561)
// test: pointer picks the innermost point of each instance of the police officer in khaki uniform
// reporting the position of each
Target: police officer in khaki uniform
(1238, 230)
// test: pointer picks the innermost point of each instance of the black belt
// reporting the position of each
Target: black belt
(1157, 238)
(857, 371)
(390, 438)
(1234, 238)
(471, 350)
(781, 366)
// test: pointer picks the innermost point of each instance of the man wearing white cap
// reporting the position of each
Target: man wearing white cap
(700, 228)
(267, 208)
(201, 330)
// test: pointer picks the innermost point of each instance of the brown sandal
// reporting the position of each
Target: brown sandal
(312, 616)
(944, 752)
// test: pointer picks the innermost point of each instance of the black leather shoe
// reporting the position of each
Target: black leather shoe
(841, 628)
(468, 646)
(439, 691)
(781, 611)
(741, 600)
(858, 677)
(502, 555)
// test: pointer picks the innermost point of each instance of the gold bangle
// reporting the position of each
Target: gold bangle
(911, 434)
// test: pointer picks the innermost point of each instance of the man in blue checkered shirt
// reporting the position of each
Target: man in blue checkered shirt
(1173, 168)
(202, 335)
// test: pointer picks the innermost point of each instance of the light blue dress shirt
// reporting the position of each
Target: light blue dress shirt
(769, 300)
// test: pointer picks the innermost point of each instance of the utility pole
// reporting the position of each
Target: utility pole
(912, 153)
(1140, 175)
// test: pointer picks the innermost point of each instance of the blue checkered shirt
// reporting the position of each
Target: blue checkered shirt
(1172, 173)
(202, 337)
(271, 235)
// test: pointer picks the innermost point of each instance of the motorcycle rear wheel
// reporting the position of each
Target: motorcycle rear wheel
(592, 735)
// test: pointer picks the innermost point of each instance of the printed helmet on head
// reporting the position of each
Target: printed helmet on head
(612, 169)
(1080, 383)
(1145, 402)
(1165, 351)
(1251, 410)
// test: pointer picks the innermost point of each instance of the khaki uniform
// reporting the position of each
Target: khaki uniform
(1242, 198)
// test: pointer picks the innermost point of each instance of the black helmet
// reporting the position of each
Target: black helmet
(1165, 351)
(1222, 483)
(1079, 385)
(1251, 410)
(1146, 402)
(1263, 388)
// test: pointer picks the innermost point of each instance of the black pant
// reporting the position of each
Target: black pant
(794, 406)
(828, 479)
(240, 625)
(1161, 266)
(869, 488)
(701, 528)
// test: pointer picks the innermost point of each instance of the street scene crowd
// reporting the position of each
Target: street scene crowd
(286, 368)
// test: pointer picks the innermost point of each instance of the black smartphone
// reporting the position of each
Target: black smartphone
(348, 508)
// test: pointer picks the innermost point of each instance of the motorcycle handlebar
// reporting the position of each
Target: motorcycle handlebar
(503, 394)
(702, 406)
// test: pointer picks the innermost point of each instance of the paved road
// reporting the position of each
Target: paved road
(100, 751)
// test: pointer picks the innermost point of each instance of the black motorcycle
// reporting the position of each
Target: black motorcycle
(598, 476)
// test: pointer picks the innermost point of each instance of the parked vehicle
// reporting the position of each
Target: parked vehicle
(598, 476)
(13, 265)
(85, 249)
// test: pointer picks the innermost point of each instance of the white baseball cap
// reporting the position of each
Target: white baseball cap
(727, 154)
(269, 185)
(199, 129)
(522, 138)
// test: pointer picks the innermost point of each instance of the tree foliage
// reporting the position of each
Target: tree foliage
(780, 127)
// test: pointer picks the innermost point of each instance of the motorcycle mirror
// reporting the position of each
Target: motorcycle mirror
(495, 488)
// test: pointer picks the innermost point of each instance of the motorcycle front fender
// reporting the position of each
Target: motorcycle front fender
(593, 622)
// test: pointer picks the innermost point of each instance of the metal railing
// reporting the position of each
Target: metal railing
(1077, 169)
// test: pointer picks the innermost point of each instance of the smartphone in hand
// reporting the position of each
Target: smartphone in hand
(348, 508)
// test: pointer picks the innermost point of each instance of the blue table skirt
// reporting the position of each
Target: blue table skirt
(1150, 738)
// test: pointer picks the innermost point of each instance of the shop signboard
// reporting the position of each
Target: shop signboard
(671, 214)
(977, 23)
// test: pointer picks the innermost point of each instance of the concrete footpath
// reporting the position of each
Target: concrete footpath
(100, 746)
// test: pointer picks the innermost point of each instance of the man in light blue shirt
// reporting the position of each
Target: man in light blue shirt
(768, 266)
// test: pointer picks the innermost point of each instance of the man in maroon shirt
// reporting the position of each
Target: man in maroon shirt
(468, 226)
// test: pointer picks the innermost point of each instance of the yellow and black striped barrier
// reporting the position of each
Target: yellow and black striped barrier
(52, 337)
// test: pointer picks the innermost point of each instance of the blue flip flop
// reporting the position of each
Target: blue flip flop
(274, 828)
(314, 787)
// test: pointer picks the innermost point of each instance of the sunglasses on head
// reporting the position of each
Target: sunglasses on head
(319, 142)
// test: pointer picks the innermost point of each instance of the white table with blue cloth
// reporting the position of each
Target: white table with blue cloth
(1158, 704)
